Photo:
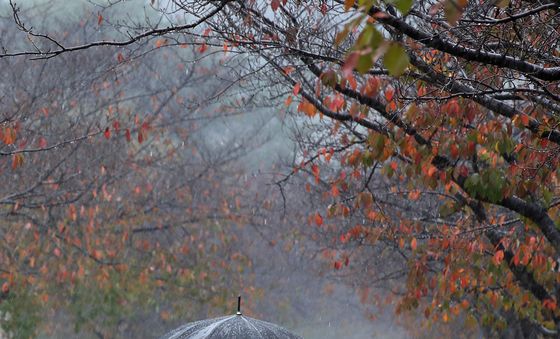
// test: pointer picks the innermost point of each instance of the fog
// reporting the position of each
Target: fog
(299, 291)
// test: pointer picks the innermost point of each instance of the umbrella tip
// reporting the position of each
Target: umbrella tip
(238, 305)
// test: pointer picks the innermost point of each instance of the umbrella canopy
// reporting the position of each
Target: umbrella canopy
(235, 326)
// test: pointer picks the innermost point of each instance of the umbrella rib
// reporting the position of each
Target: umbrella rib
(253, 326)
(206, 332)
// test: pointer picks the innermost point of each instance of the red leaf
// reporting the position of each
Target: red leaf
(288, 69)
(549, 304)
(42, 142)
(525, 119)
(203, 47)
(107, 133)
(99, 19)
(120, 57)
(315, 170)
(454, 150)
(337, 265)
(297, 87)
(140, 136)
(275, 4)
(350, 63)
(127, 134)
(116, 126)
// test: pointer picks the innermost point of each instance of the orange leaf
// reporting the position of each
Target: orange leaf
(414, 195)
(431, 171)
(17, 160)
(9, 136)
(525, 119)
(413, 244)
(372, 215)
(334, 191)
(498, 257)
(352, 81)
(318, 219)
(389, 93)
(288, 101)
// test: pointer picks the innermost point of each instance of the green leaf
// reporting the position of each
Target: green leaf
(364, 63)
(447, 209)
(396, 60)
(454, 10)
(547, 197)
(403, 5)
(366, 4)
(369, 37)
(502, 3)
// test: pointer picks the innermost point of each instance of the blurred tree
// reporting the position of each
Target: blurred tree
(114, 207)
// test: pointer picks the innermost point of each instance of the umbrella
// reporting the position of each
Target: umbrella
(235, 326)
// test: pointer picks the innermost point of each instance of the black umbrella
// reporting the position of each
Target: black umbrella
(235, 326)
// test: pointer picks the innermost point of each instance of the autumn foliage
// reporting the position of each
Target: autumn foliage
(429, 143)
